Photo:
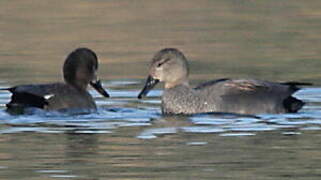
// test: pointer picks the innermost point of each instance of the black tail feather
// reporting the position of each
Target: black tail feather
(294, 83)
(12, 89)
(27, 100)
(292, 105)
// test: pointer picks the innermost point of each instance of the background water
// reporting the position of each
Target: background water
(128, 138)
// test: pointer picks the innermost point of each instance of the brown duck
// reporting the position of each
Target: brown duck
(79, 70)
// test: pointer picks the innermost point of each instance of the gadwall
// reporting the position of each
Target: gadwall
(79, 70)
(241, 96)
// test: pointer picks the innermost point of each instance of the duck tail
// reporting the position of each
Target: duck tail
(292, 104)
(12, 89)
(24, 99)
(294, 83)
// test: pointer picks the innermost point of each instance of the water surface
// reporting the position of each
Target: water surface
(129, 138)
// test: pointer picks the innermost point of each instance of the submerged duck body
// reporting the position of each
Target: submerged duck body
(79, 71)
(242, 96)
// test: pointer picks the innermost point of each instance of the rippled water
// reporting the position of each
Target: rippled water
(129, 138)
(125, 110)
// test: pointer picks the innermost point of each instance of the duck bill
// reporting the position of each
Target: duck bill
(99, 88)
(150, 83)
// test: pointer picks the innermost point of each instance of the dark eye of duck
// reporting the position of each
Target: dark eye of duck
(163, 62)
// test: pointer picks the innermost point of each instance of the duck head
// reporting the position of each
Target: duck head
(169, 66)
(80, 69)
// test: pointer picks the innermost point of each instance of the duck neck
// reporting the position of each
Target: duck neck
(169, 85)
(78, 85)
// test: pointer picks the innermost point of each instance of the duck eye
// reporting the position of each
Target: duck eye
(162, 62)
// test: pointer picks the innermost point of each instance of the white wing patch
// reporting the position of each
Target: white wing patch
(48, 96)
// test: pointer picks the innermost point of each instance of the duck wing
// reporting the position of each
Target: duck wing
(248, 96)
(210, 84)
(251, 86)
(264, 96)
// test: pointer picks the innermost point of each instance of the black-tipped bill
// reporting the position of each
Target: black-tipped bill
(150, 83)
(99, 88)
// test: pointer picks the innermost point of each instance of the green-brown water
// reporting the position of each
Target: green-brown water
(129, 139)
